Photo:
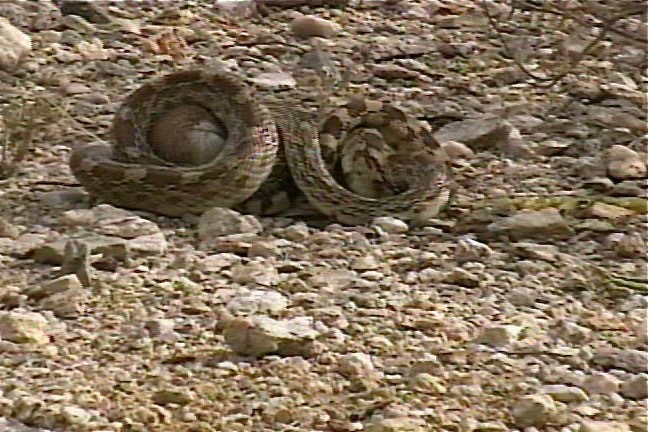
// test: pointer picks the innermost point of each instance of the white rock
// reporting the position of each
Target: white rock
(274, 80)
(390, 224)
(14, 45)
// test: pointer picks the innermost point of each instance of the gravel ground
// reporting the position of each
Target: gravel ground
(523, 307)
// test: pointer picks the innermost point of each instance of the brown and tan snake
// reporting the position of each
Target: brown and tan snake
(196, 139)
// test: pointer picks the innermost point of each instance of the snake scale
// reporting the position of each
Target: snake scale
(197, 139)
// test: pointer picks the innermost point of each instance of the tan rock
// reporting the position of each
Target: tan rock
(534, 224)
(603, 426)
(14, 45)
(608, 211)
(624, 163)
(258, 336)
(635, 387)
(398, 424)
(219, 222)
(306, 26)
(534, 410)
(24, 327)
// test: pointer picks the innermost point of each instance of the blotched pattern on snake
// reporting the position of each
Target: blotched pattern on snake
(197, 139)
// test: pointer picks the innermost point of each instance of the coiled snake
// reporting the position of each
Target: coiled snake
(195, 139)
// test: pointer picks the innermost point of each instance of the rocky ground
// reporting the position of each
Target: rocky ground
(523, 307)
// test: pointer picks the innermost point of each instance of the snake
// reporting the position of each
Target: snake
(197, 139)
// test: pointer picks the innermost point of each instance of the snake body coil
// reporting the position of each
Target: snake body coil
(194, 140)
(136, 171)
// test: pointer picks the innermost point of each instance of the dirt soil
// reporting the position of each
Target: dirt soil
(522, 307)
